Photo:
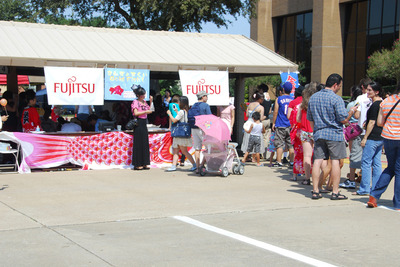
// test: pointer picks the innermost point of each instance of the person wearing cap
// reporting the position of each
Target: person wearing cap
(281, 124)
(199, 108)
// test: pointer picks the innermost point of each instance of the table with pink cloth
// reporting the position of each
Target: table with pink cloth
(98, 151)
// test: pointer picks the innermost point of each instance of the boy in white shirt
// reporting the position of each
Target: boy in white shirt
(256, 130)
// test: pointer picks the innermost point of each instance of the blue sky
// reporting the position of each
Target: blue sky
(240, 26)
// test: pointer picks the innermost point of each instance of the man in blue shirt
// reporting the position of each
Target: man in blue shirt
(281, 125)
(327, 114)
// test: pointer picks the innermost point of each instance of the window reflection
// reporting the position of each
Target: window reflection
(294, 35)
(370, 26)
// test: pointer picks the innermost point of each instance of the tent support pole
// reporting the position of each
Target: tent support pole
(239, 115)
(12, 80)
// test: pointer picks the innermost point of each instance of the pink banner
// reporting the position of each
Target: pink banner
(106, 150)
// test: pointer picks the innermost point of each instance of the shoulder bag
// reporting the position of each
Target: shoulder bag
(352, 131)
(391, 110)
(181, 129)
(249, 122)
(132, 124)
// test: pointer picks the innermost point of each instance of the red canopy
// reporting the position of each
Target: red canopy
(22, 79)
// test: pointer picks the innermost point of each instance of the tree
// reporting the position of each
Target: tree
(177, 15)
(271, 80)
(385, 64)
(20, 10)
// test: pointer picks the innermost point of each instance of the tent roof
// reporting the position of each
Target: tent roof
(38, 45)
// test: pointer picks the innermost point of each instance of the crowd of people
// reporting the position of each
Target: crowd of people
(309, 126)
(305, 131)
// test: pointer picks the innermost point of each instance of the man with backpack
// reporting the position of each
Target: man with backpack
(199, 108)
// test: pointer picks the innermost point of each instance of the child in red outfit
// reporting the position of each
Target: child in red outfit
(30, 118)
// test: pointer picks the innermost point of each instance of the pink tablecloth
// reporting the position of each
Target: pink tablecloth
(100, 151)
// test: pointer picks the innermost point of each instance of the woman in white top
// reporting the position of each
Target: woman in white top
(254, 106)
(181, 143)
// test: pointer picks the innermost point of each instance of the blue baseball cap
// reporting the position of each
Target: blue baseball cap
(287, 87)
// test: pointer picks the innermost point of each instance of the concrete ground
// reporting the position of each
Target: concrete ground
(156, 218)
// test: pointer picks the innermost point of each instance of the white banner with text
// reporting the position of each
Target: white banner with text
(74, 86)
(216, 83)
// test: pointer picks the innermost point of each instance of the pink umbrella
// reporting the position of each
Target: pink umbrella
(213, 126)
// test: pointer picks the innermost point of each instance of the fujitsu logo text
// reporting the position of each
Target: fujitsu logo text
(72, 87)
(202, 86)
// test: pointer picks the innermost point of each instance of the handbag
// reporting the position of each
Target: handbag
(352, 131)
(181, 129)
(132, 124)
(249, 122)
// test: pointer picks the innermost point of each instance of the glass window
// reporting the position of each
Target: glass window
(293, 36)
(291, 28)
(361, 49)
(375, 12)
(389, 9)
(398, 13)
(348, 78)
(362, 23)
(349, 54)
(300, 22)
(352, 19)
(308, 24)
(360, 72)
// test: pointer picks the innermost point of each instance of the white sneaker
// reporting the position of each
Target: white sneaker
(348, 184)
(171, 169)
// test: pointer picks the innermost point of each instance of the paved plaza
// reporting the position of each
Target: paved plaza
(155, 218)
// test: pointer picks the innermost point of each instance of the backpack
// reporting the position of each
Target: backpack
(193, 111)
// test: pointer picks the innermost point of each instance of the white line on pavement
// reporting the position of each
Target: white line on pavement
(251, 241)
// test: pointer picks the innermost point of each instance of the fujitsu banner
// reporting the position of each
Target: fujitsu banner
(216, 83)
(74, 86)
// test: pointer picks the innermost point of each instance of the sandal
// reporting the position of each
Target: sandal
(338, 196)
(306, 182)
(316, 195)
(324, 191)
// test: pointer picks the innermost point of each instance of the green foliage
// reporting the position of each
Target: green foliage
(20, 10)
(172, 85)
(385, 64)
(271, 80)
(176, 15)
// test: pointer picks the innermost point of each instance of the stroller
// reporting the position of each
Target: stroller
(221, 157)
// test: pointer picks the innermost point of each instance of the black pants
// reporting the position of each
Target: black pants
(141, 150)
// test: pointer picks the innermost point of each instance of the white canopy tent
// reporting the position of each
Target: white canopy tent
(25, 48)
(39, 45)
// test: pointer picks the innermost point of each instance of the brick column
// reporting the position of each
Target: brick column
(261, 29)
(327, 51)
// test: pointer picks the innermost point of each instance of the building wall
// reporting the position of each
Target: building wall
(327, 53)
